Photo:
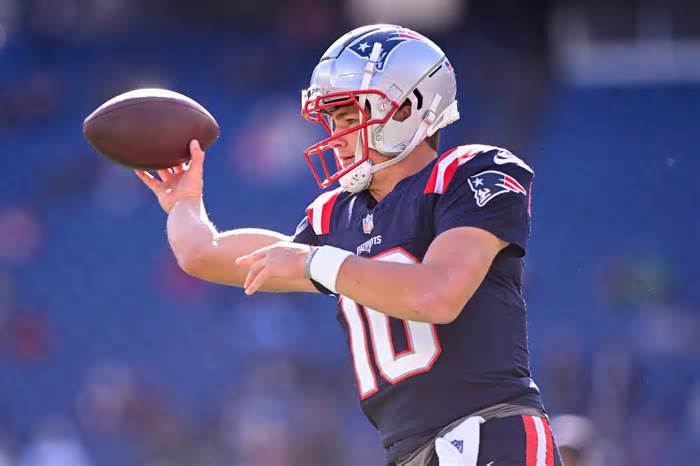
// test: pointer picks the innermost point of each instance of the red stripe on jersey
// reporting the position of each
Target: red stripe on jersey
(310, 215)
(530, 441)
(326, 213)
(432, 181)
(550, 444)
(449, 173)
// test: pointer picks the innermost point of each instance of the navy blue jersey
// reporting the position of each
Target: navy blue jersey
(414, 378)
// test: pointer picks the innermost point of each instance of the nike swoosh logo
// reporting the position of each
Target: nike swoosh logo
(490, 463)
(502, 158)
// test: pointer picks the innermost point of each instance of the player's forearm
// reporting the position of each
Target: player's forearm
(204, 252)
(417, 292)
(190, 232)
(435, 290)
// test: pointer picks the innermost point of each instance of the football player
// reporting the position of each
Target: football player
(424, 252)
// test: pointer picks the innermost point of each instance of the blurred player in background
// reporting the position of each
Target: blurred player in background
(577, 440)
(424, 251)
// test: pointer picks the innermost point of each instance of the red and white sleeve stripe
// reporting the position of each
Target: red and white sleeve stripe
(447, 164)
(538, 437)
(319, 212)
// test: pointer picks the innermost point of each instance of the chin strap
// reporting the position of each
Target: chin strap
(447, 117)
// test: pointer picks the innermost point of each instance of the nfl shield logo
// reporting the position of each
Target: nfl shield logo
(367, 224)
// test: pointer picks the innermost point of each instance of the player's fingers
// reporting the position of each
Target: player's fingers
(143, 175)
(250, 258)
(147, 178)
(259, 281)
(176, 170)
(253, 272)
(164, 175)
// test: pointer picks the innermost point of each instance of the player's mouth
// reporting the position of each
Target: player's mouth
(347, 160)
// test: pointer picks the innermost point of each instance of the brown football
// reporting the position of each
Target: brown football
(149, 128)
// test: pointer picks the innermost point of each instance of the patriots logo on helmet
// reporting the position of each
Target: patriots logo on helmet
(389, 38)
(491, 183)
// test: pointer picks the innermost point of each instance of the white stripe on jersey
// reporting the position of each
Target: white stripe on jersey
(541, 441)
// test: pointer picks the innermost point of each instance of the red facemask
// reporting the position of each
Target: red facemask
(318, 110)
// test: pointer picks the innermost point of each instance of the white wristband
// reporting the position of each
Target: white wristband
(325, 265)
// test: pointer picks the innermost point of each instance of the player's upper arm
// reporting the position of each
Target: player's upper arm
(463, 256)
(481, 207)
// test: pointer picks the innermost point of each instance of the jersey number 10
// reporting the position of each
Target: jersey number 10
(423, 344)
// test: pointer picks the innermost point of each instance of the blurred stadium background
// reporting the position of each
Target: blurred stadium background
(109, 355)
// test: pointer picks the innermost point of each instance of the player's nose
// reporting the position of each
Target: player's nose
(338, 143)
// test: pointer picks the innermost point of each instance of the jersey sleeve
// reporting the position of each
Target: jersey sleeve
(317, 220)
(491, 193)
(305, 234)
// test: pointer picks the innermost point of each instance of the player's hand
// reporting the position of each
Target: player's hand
(280, 260)
(177, 183)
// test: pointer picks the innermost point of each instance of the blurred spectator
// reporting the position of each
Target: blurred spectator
(20, 235)
(576, 438)
(436, 15)
(32, 99)
(564, 372)
(117, 191)
(271, 143)
(105, 399)
(7, 453)
(28, 336)
(8, 17)
(54, 443)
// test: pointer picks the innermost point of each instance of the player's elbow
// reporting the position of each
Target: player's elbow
(437, 308)
(446, 313)
(191, 261)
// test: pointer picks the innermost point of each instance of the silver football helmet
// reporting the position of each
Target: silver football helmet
(378, 68)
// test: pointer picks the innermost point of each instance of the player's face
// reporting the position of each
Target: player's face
(344, 147)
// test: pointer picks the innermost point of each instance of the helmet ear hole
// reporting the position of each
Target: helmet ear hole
(403, 112)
